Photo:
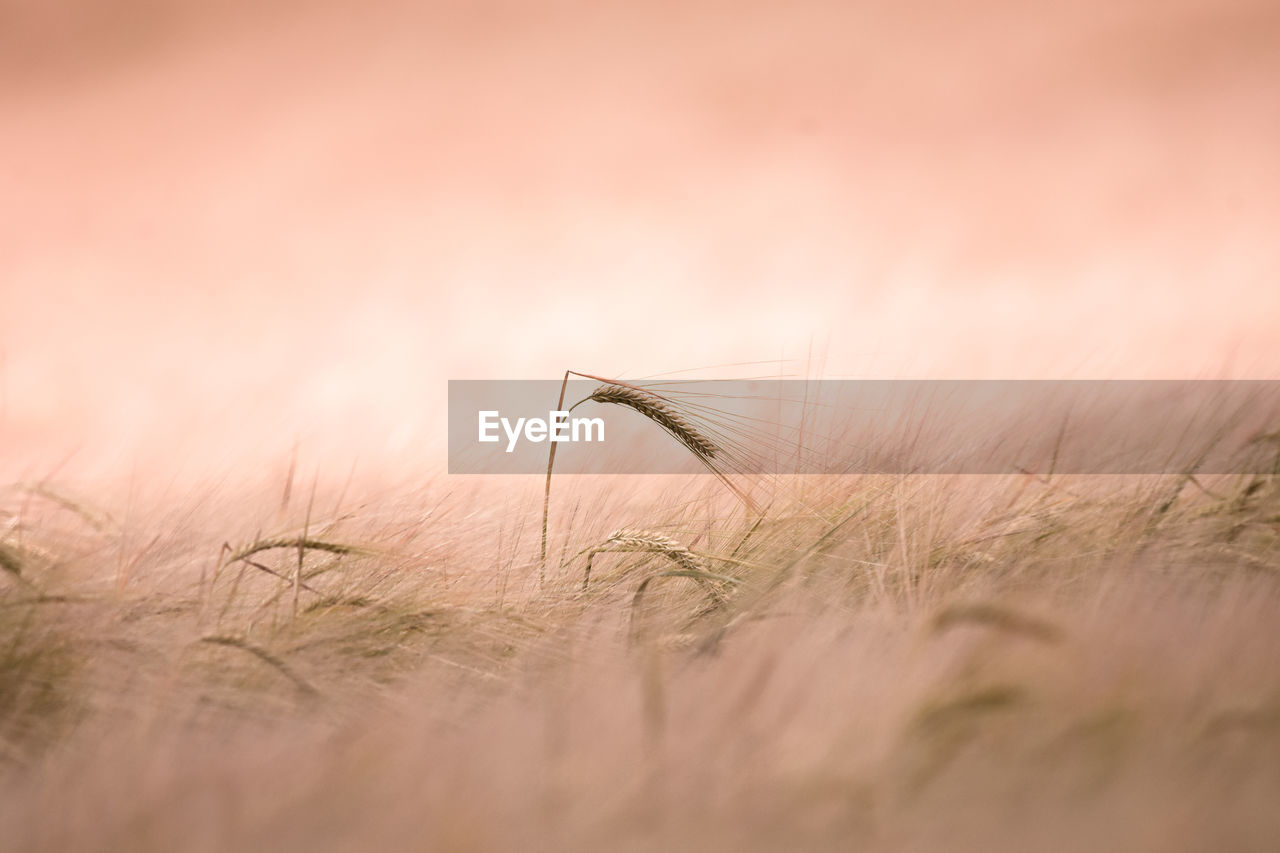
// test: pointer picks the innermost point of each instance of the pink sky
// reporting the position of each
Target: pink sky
(224, 231)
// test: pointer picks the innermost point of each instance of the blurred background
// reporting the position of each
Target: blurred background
(229, 229)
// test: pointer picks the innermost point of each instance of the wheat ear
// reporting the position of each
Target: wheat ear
(660, 412)
(645, 540)
(656, 409)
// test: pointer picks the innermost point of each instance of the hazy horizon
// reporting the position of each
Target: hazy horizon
(229, 229)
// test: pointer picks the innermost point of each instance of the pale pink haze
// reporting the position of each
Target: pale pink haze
(226, 231)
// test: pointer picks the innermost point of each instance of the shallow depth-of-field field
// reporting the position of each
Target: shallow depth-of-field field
(245, 246)
(884, 663)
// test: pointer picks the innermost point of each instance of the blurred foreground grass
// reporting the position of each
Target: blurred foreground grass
(898, 663)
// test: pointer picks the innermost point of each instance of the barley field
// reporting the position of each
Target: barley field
(244, 246)
(896, 663)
